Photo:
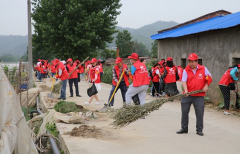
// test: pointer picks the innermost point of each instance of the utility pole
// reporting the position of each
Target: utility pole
(30, 68)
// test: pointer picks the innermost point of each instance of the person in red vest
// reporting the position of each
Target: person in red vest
(195, 77)
(100, 68)
(179, 82)
(140, 80)
(81, 71)
(94, 77)
(39, 69)
(156, 76)
(77, 62)
(63, 75)
(73, 78)
(124, 83)
(161, 70)
(227, 82)
(169, 77)
(43, 70)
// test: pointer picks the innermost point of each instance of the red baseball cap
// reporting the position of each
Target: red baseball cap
(118, 60)
(193, 56)
(94, 60)
(56, 61)
(69, 59)
(39, 60)
(169, 59)
(238, 65)
(133, 56)
(99, 60)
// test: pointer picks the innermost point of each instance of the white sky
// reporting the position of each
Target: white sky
(134, 13)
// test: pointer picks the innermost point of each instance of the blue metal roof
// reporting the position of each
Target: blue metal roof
(219, 22)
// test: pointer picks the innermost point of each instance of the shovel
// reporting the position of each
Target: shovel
(51, 95)
(105, 108)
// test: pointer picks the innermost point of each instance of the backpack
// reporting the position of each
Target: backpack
(152, 73)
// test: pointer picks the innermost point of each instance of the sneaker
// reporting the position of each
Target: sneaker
(78, 95)
(97, 103)
(86, 103)
(143, 117)
(227, 113)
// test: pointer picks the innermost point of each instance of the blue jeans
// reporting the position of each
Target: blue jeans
(123, 88)
(81, 75)
(63, 89)
(53, 74)
(39, 76)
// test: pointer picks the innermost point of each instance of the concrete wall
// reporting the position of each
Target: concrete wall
(216, 49)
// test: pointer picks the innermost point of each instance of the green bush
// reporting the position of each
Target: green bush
(65, 107)
(107, 76)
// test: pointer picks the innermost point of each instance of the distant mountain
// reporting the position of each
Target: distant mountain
(13, 44)
(143, 34)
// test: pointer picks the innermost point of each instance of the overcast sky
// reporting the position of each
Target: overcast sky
(134, 13)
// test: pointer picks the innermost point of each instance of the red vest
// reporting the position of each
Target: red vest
(53, 70)
(196, 81)
(227, 78)
(117, 70)
(64, 75)
(100, 68)
(93, 71)
(81, 69)
(180, 72)
(140, 76)
(171, 74)
(70, 69)
(43, 69)
(155, 76)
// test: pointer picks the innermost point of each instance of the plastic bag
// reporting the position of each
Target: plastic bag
(92, 90)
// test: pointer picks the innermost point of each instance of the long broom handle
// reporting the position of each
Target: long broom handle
(78, 66)
(116, 86)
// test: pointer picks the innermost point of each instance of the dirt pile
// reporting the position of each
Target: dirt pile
(45, 88)
(86, 131)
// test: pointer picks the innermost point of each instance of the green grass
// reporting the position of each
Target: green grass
(29, 110)
(65, 107)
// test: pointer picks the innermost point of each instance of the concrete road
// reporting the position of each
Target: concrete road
(155, 134)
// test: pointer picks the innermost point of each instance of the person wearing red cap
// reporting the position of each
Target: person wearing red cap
(195, 77)
(77, 62)
(100, 68)
(227, 83)
(155, 80)
(124, 83)
(179, 82)
(43, 66)
(63, 75)
(140, 80)
(169, 76)
(94, 77)
(73, 78)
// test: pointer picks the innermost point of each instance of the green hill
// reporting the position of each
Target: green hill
(143, 34)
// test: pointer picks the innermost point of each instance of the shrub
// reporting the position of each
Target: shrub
(65, 107)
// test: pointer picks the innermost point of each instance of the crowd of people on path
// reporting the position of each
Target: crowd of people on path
(167, 80)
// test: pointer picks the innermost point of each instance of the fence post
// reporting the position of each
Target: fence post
(19, 79)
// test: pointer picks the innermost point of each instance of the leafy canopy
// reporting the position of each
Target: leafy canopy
(73, 28)
(123, 41)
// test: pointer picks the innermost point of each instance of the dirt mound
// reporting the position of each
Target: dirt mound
(86, 131)
(45, 88)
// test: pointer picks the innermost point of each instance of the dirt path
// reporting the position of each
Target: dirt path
(156, 133)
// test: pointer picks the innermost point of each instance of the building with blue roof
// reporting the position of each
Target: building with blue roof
(215, 37)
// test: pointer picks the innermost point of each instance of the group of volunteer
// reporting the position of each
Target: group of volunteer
(167, 79)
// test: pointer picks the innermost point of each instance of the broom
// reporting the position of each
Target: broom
(124, 116)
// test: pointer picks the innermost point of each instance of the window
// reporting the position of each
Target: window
(200, 61)
(235, 61)
(183, 63)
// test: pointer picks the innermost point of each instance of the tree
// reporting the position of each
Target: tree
(108, 53)
(9, 58)
(24, 57)
(123, 41)
(140, 49)
(154, 51)
(41, 54)
(74, 28)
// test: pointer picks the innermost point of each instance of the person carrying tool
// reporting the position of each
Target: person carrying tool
(227, 83)
(140, 80)
(94, 78)
(195, 77)
(100, 68)
(73, 78)
(77, 62)
(63, 75)
(123, 84)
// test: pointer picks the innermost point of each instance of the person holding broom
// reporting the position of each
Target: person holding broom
(140, 80)
(63, 75)
(118, 69)
(195, 77)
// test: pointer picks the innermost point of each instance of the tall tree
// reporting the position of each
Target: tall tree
(74, 28)
(154, 51)
(123, 41)
(141, 49)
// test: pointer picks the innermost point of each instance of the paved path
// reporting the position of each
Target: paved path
(155, 134)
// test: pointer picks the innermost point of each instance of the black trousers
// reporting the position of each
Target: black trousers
(75, 81)
(155, 88)
(198, 103)
(79, 77)
(226, 95)
(123, 88)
